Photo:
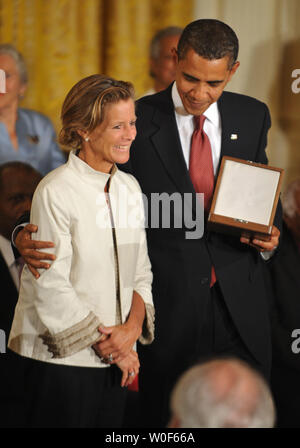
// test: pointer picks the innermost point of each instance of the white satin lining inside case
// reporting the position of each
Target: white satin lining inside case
(247, 192)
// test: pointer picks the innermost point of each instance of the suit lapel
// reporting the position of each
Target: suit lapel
(167, 144)
(166, 140)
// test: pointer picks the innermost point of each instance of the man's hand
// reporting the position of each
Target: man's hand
(261, 245)
(28, 249)
(119, 341)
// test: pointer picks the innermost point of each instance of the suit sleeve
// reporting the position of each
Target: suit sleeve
(261, 157)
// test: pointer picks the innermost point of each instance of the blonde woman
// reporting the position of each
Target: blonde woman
(80, 320)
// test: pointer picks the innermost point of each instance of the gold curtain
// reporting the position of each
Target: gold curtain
(59, 41)
(63, 41)
(129, 26)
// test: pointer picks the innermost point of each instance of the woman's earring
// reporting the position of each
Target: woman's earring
(86, 139)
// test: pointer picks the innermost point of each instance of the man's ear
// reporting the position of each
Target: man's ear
(152, 65)
(22, 90)
(175, 56)
(233, 70)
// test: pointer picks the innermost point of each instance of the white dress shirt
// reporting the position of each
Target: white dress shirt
(185, 124)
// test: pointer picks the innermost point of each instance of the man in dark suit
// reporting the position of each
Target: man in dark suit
(17, 184)
(195, 320)
(285, 278)
(196, 316)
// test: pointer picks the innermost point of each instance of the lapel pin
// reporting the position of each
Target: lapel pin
(233, 137)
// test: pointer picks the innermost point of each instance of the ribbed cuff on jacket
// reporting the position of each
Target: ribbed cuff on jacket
(147, 335)
(74, 339)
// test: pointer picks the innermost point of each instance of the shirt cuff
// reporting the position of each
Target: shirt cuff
(268, 254)
(16, 230)
(147, 335)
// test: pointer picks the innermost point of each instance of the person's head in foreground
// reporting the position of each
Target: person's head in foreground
(222, 393)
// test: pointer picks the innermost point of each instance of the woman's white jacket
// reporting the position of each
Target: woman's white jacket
(101, 258)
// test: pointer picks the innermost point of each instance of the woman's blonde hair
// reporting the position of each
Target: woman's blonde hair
(84, 106)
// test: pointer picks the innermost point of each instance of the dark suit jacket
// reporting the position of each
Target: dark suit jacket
(9, 297)
(11, 368)
(182, 267)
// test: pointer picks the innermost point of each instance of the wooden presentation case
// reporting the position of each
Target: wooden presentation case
(245, 198)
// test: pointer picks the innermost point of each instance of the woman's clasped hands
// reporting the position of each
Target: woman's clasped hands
(116, 347)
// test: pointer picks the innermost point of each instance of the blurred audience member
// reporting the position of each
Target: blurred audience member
(162, 63)
(285, 276)
(25, 135)
(222, 393)
(17, 184)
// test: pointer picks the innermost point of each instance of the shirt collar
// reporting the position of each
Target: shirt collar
(82, 167)
(212, 113)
